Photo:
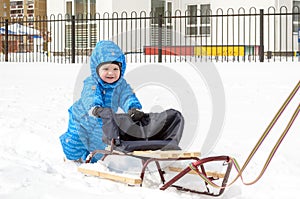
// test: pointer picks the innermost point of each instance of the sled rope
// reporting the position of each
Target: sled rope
(258, 144)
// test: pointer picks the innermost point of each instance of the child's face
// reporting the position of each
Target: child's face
(109, 73)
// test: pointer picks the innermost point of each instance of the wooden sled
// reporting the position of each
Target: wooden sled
(197, 166)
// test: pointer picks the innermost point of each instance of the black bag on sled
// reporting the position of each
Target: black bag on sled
(155, 131)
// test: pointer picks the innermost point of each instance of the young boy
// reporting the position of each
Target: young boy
(93, 122)
(104, 88)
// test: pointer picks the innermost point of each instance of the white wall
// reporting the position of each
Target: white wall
(236, 4)
(103, 6)
(56, 7)
(131, 5)
(118, 6)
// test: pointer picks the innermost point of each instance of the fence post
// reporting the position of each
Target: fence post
(261, 35)
(298, 53)
(6, 41)
(73, 52)
(160, 20)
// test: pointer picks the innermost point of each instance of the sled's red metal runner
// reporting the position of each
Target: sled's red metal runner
(198, 162)
(148, 160)
(194, 167)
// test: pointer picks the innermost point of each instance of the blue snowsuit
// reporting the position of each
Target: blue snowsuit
(84, 132)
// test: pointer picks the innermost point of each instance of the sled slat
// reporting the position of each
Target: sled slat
(213, 174)
(111, 176)
(166, 154)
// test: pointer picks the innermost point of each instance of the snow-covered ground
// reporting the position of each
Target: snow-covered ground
(34, 98)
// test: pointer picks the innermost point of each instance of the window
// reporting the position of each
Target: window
(198, 20)
(69, 8)
(296, 16)
(157, 8)
(191, 26)
(16, 12)
(205, 20)
(169, 11)
(85, 30)
(93, 7)
(85, 7)
(204, 30)
(192, 15)
(161, 7)
(164, 8)
(205, 10)
(81, 7)
(191, 31)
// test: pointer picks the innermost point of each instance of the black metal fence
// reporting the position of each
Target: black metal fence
(238, 36)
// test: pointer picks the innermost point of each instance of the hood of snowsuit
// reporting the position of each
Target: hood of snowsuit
(105, 52)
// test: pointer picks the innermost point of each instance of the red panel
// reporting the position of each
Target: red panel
(170, 50)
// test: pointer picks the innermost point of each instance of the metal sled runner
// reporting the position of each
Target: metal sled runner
(157, 157)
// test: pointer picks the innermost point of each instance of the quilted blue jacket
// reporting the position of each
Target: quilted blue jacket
(84, 132)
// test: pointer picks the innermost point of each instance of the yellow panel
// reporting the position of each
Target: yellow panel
(219, 51)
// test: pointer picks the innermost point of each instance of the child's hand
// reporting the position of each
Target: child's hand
(96, 111)
(135, 114)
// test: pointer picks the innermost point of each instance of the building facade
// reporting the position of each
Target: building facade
(24, 16)
(29, 10)
(4, 9)
(201, 31)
